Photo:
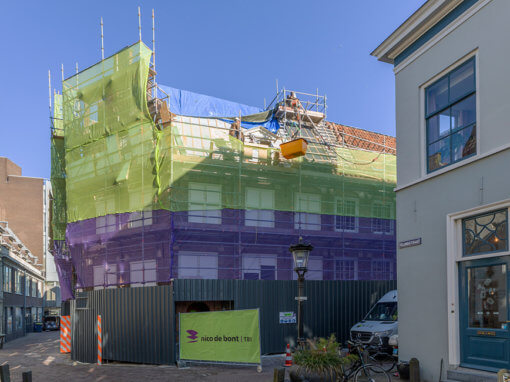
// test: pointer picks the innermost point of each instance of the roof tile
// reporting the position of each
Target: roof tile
(363, 139)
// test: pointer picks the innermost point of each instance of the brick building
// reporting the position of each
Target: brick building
(24, 205)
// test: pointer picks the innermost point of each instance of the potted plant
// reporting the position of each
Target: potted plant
(318, 361)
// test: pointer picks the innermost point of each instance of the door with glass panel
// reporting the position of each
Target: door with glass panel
(484, 286)
(484, 320)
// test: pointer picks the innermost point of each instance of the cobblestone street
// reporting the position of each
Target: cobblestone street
(39, 352)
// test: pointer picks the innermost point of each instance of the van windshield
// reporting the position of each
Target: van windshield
(383, 311)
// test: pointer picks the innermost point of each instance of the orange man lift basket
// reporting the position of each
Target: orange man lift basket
(294, 148)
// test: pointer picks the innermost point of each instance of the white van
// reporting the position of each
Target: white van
(380, 323)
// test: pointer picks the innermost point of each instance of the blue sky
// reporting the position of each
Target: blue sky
(229, 49)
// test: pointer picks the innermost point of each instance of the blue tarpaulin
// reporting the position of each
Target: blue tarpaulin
(183, 102)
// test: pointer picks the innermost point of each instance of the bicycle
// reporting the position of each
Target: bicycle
(361, 371)
(379, 355)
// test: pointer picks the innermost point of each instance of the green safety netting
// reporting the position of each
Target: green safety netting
(117, 160)
(110, 139)
(58, 172)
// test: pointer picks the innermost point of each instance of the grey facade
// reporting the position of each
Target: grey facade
(21, 302)
(435, 311)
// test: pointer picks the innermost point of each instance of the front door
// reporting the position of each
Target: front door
(484, 318)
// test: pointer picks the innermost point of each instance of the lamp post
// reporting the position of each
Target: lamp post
(300, 253)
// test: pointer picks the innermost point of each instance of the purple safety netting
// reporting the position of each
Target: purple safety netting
(64, 269)
(156, 246)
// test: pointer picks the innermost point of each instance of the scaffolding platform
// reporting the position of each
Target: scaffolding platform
(292, 113)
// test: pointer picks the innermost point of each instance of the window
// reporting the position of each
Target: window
(91, 115)
(34, 288)
(139, 219)
(7, 279)
(450, 113)
(8, 320)
(204, 203)
(382, 270)
(485, 233)
(50, 295)
(308, 209)
(27, 285)
(195, 134)
(259, 208)
(383, 311)
(143, 273)
(39, 289)
(17, 282)
(106, 224)
(346, 215)
(346, 269)
(99, 275)
(487, 296)
(19, 319)
(259, 267)
(315, 269)
(382, 220)
(197, 265)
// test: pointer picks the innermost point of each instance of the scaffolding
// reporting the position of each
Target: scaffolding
(143, 194)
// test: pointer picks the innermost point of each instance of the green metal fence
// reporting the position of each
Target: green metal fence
(139, 324)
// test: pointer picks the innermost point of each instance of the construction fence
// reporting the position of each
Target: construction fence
(140, 324)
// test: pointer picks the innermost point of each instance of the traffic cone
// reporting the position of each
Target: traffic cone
(288, 357)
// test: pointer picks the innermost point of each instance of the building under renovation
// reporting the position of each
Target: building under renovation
(153, 185)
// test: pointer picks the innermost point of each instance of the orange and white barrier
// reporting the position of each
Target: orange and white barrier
(99, 342)
(288, 357)
(65, 334)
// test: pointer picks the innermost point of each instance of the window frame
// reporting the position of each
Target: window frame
(106, 224)
(450, 104)
(355, 269)
(260, 260)
(33, 284)
(145, 268)
(249, 221)
(108, 274)
(391, 219)
(208, 215)
(338, 215)
(198, 272)
(385, 262)
(18, 282)
(303, 220)
(138, 219)
(313, 272)
(7, 281)
(463, 227)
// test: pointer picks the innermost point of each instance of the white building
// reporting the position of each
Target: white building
(453, 186)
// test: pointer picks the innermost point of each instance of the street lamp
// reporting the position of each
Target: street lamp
(300, 253)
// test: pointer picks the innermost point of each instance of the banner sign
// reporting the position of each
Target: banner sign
(223, 336)
(287, 317)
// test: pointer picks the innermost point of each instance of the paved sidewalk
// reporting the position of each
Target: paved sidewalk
(39, 352)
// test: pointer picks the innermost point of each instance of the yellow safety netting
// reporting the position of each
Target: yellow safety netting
(117, 160)
(110, 139)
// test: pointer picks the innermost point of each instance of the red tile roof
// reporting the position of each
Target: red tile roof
(367, 140)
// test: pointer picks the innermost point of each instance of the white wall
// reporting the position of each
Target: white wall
(487, 32)
(423, 207)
